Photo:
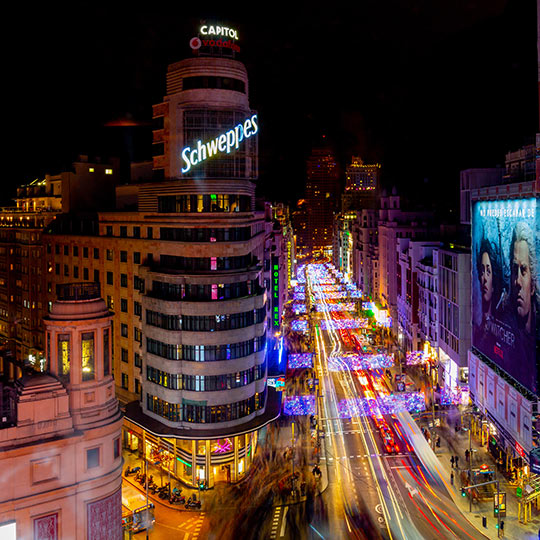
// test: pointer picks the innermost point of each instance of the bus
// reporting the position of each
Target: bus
(137, 516)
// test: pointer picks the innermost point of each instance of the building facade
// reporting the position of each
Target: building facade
(60, 438)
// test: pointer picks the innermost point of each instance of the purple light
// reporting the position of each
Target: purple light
(299, 326)
(299, 405)
(300, 360)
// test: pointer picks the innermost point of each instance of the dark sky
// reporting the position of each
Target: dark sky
(426, 87)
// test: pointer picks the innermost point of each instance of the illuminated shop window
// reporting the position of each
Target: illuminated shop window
(87, 350)
(63, 355)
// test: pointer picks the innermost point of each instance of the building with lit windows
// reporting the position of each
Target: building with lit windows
(362, 182)
(181, 263)
(24, 280)
(322, 197)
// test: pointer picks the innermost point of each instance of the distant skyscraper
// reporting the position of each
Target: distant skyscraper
(322, 195)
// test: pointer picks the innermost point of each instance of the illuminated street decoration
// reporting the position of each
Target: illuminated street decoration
(300, 360)
(299, 296)
(356, 362)
(299, 405)
(457, 395)
(223, 143)
(343, 306)
(344, 324)
(299, 326)
(385, 404)
(299, 308)
(414, 358)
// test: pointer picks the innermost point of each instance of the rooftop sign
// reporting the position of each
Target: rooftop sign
(223, 143)
(222, 31)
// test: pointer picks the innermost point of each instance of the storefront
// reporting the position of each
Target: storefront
(196, 463)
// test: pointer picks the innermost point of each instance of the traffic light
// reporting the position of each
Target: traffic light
(463, 493)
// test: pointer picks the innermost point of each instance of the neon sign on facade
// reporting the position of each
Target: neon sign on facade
(223, 143)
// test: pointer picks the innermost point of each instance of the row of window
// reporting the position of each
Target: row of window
(205, 353)
(232, 234)
(208, 81)
(206, 323)
(177, 262)
(208, 383)
(194, 292)
(205, 414)
(172, 204)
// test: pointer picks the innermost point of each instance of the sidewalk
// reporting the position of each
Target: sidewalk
(454, 444)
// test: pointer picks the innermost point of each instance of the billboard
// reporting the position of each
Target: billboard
(505, 286)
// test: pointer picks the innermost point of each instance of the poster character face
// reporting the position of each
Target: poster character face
(522, 283)
(486, 279)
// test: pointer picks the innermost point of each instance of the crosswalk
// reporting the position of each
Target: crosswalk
(192, 527)
(280, 513)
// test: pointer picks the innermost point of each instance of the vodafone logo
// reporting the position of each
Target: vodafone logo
(195, 43)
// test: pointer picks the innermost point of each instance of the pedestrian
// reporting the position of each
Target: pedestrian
(502, 526)
(452, 478)
(452, 461)
(467, 456)
(457, 462)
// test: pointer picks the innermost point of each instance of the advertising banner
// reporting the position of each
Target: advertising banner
(505, 287)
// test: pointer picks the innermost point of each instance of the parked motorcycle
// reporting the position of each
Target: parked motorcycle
(192, 503)
(131, 470)
(177, 499)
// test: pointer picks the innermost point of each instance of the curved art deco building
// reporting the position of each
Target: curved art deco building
(204, 392)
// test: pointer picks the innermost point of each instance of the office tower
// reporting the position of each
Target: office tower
(322, 198)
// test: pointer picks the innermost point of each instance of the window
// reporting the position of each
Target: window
(85, 252)
(96, 253)
(137, 309)
(76, 272)
(109, 230)
(136, 232)
(123, 231)
(123, 305)
(92, 458)
(125, 381)
(123, 280)
(123, 256)
(124, 355)
(138, 360)
(136, 257)
(87, 356)
(85, 274)
(57, 249)
(96, 276)
(109, 278)
(106, 354)
(66, 270)
(124, 330)
(108, 171)
(149, 232)
(109, 254)
(66, 250)
(63, 355)
(116, 448)
(75, 251)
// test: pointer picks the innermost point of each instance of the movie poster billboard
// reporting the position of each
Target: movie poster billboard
(505, 285)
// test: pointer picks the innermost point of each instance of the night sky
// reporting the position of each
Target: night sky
(425, 87)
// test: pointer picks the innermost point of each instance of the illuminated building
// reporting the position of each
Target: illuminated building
(23, 278)
(504, 316)
(361, 185)
(181, 263)
(454, 313)
(321, 196)
(409, 254)
(366, 252)
(60, 431)
(393, 223)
